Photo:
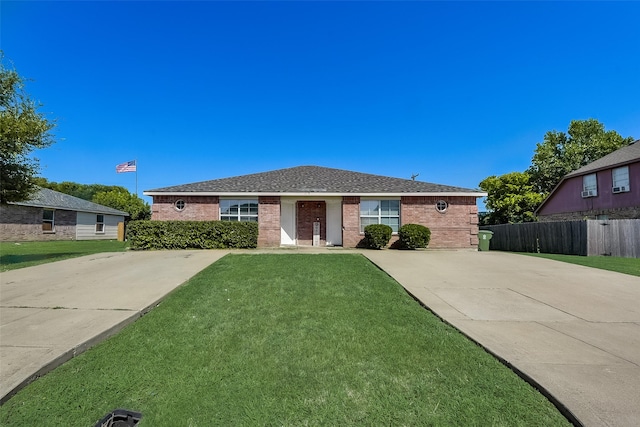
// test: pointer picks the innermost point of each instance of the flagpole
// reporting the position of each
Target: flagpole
(136, 177)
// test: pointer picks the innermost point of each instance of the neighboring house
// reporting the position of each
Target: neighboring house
(608, 188)
(50, 215)
(318, 206)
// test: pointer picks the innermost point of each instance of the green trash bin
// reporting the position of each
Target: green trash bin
(483, 239)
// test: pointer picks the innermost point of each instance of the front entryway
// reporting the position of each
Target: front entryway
(311, 214)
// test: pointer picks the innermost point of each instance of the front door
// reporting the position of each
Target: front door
(310, 212)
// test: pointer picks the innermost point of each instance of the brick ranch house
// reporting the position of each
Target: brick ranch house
(319, 206)
(50, 215)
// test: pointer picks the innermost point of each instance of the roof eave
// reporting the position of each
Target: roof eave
(318, 194)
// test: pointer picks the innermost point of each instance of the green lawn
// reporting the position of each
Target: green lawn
(26, 254)
(286, 340)
(621, 265)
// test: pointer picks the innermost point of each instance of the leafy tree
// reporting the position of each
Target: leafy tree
(137, 208)
(22, 130)
(561, 153)
(82, 191)
(511, 198)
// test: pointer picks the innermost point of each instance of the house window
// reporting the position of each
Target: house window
(99, 223)
(239, 210)
(589, 185)
(380, 212)
(179, 205)
(48, 224)
(621, 179)
(441, 206)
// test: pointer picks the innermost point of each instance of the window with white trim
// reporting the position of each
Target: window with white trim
(179, 205)
(441, 206)
(589, 185)
(620, 179)
(239, 210)
(99, 223)
(380, 212)
(48, 220)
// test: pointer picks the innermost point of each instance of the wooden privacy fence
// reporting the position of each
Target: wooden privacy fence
(619, 237)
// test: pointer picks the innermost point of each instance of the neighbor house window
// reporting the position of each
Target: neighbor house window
(48, 220)
(99, 223)
(179, 205)
(380, 212)
(621, 179)
(589, 185)
(239, 210)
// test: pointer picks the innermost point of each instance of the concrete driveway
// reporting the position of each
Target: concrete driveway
(573, 330)
(51, 312)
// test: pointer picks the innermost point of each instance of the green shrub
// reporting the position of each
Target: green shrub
(414, 236)
(377, 236)
(191, 234)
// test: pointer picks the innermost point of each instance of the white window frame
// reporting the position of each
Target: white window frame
(99, 224)
(378, 216)
(51, 221)
(590, 185)
(179, 205)
(620, 180)
(232, 210)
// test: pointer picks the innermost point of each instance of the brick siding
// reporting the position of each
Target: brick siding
(351, 236)
(456, 228)
(268, 222)
(196, 208)
(619, 213)
(24, 223)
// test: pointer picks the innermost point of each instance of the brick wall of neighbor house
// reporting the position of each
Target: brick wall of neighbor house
(24, 223)
(351, 221)
(456, 228)
(197, 208)
(268, 221)
(620, 213)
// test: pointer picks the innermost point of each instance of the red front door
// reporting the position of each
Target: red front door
(309, 212)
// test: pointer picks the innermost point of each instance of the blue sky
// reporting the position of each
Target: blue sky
(452, 91)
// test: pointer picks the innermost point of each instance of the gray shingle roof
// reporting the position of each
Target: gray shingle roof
(620, 157)
(312, 179)
(46, 198)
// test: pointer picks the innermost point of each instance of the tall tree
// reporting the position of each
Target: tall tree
(561, 153)
(137, 208)
(22, 130)
(511, 198)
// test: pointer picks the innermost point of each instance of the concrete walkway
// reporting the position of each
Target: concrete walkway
(51, 312)
(573, 330)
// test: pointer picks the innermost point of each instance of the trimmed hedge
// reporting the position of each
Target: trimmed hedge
(377, 236)
(412, 236)
(191, 234)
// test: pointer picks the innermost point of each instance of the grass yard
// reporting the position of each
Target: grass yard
(286, 340)
(620, 265)
(27, 254)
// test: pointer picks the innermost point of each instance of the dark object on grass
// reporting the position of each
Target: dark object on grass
(120, 418)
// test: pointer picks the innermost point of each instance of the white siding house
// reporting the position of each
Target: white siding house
(95, 226)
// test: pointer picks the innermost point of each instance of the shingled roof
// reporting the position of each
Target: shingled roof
(620, 157)
(46, 198)
(312, 180)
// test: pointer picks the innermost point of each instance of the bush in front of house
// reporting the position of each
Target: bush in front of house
(143, 235)
(413, 236)
(377, 236)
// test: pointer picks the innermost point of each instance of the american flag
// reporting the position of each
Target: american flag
(126, 167)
